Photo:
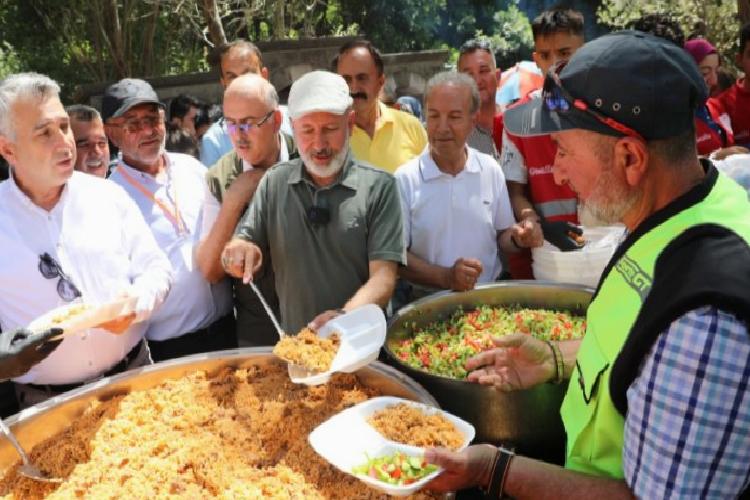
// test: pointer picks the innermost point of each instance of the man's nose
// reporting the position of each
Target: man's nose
(559, 174)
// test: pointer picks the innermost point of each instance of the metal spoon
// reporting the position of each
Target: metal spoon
(26, 469)
(268, 309)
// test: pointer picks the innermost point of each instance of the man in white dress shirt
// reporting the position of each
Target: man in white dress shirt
(64, 237)
(169, 189)
(456, 210)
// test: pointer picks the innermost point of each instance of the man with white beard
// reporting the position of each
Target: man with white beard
(331, 226)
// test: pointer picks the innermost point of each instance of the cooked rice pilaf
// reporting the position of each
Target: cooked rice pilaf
(241, 433)
(406, 424)
(308, 350)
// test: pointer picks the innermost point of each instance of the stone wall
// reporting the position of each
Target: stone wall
(287, 60)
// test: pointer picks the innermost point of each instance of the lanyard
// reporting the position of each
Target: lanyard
(173, 215)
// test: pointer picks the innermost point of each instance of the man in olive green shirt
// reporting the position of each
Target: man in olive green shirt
(331, 226)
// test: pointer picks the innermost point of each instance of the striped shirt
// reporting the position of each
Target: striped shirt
(687, 430)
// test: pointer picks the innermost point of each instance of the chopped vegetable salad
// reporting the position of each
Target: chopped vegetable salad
(443, 347)
(398, 469)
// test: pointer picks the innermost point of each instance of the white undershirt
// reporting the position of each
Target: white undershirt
(212, 205)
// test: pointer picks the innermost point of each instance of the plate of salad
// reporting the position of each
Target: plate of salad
(443, 347)
(354, 443)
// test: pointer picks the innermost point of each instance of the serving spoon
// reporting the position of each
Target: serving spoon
(268, 309)
(26, 469)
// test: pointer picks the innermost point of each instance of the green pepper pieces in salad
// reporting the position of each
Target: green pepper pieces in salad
(398, 469)
(443, 347)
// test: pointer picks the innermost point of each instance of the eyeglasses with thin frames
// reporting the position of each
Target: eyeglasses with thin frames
(50, 269)
(558, 99)
(233, 128)
(135, 125)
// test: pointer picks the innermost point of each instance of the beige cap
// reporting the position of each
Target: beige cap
(319, 91)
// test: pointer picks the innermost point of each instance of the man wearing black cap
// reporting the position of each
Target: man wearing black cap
(169, 189)
(657, 405)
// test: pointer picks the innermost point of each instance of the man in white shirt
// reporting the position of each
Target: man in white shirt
(64, 237)
(169, 189)
(251, 113)
(456, 210)
(233, 59)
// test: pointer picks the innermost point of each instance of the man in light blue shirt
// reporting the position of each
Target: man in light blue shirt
(232, 60)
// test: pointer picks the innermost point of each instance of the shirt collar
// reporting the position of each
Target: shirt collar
(430, 170)
(26, 201)
(347, 176)
(134, 172)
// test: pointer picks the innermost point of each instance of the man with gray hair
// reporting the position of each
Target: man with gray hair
(66, 237)
(253, 120)
(92, 146)
(169, 189)
(456, 210)
(330, 225)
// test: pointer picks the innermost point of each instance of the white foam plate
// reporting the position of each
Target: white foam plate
(92, 316)
(362, 332)
(346, 440)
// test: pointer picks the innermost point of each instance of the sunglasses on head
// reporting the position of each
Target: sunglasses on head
(558, 99)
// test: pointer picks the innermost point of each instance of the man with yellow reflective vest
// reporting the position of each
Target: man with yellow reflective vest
(658, 404)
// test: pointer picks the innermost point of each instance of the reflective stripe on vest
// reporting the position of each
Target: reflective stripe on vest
(593, 426)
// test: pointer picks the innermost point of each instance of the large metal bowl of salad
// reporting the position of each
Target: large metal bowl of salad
(432, 338)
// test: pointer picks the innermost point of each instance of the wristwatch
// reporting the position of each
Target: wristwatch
(498, 473)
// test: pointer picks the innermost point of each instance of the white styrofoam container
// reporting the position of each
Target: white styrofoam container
(346, 440)
(362, 333)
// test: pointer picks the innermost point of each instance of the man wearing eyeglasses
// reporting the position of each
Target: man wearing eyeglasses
(67, 237)
(330, 225)
(169, 189)
(253, 121)
(656, 405)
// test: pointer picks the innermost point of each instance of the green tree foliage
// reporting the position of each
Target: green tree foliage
(716, 20)
(512, 39)
(81, 41)
(85, 41)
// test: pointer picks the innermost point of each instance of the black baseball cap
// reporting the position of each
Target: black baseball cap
(623, 82)
(123, 95)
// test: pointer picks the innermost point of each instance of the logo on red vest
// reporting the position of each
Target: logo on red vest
(547, 169)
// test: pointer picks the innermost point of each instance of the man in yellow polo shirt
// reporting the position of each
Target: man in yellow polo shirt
(382, 136)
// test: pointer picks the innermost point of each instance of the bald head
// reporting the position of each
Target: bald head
(253, 119)
(252, 85)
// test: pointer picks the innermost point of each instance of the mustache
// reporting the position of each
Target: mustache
(358, 95)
